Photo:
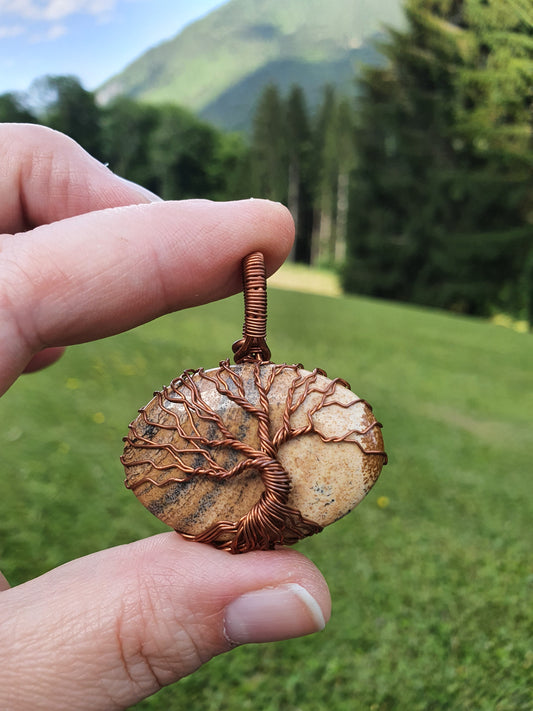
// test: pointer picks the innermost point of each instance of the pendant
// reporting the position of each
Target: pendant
(257, 454)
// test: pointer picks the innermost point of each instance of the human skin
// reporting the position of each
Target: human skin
(84, 255)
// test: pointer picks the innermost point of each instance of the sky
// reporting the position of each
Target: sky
(92, 39)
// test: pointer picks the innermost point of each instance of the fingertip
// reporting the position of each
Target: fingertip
(262, 596)
(278, 243)
(292, 601)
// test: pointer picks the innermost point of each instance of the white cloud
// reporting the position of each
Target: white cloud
(46, 20)
(58, 9)
(53, 10)
(49, 34)
(11, 31)
(56, 31)
(24, 9)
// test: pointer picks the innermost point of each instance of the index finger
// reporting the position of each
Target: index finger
(100, 273)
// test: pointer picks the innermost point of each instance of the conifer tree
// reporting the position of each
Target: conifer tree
(269, 175)
(345, 165)
(441, 207)
(299, 178)
(326, 184)
(335, 151)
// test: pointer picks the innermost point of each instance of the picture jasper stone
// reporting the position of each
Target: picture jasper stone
(253, 455)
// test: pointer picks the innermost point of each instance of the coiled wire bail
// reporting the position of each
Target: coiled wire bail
(252, 346)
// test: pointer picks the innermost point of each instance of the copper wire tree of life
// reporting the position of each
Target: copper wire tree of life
(218, 454)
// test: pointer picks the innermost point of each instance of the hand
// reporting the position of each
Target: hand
(94, 256)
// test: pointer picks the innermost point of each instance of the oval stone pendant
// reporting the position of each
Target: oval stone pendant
(253, 455)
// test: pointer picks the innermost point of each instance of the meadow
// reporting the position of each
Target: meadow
(431, 576)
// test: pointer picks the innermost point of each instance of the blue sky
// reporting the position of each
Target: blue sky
(92, 39)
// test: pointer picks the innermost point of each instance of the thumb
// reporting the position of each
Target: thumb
(115, 627)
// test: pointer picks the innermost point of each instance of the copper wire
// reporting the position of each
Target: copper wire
(252, 346)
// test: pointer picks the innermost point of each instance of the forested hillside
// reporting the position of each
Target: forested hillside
(218, 66)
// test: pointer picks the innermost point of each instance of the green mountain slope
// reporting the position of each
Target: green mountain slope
(218, 65)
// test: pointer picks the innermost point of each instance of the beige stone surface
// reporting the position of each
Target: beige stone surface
(328, 478)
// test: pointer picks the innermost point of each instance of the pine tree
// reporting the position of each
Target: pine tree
(299, 176)
(269, 175)
(335, 149)
(441, 207)
(346, 164)
(325, 194)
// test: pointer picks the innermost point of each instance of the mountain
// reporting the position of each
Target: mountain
(218, 66)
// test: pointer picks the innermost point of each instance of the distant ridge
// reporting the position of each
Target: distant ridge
(218, 66)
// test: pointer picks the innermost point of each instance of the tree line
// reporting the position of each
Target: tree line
(290, 156)
(165, 148)
(418, 187)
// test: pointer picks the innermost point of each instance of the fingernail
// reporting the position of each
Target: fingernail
(273, 614)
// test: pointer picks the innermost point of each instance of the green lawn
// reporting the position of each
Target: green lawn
(431, 576)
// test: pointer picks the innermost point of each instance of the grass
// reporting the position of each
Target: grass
(298, 277)
(431, 576)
